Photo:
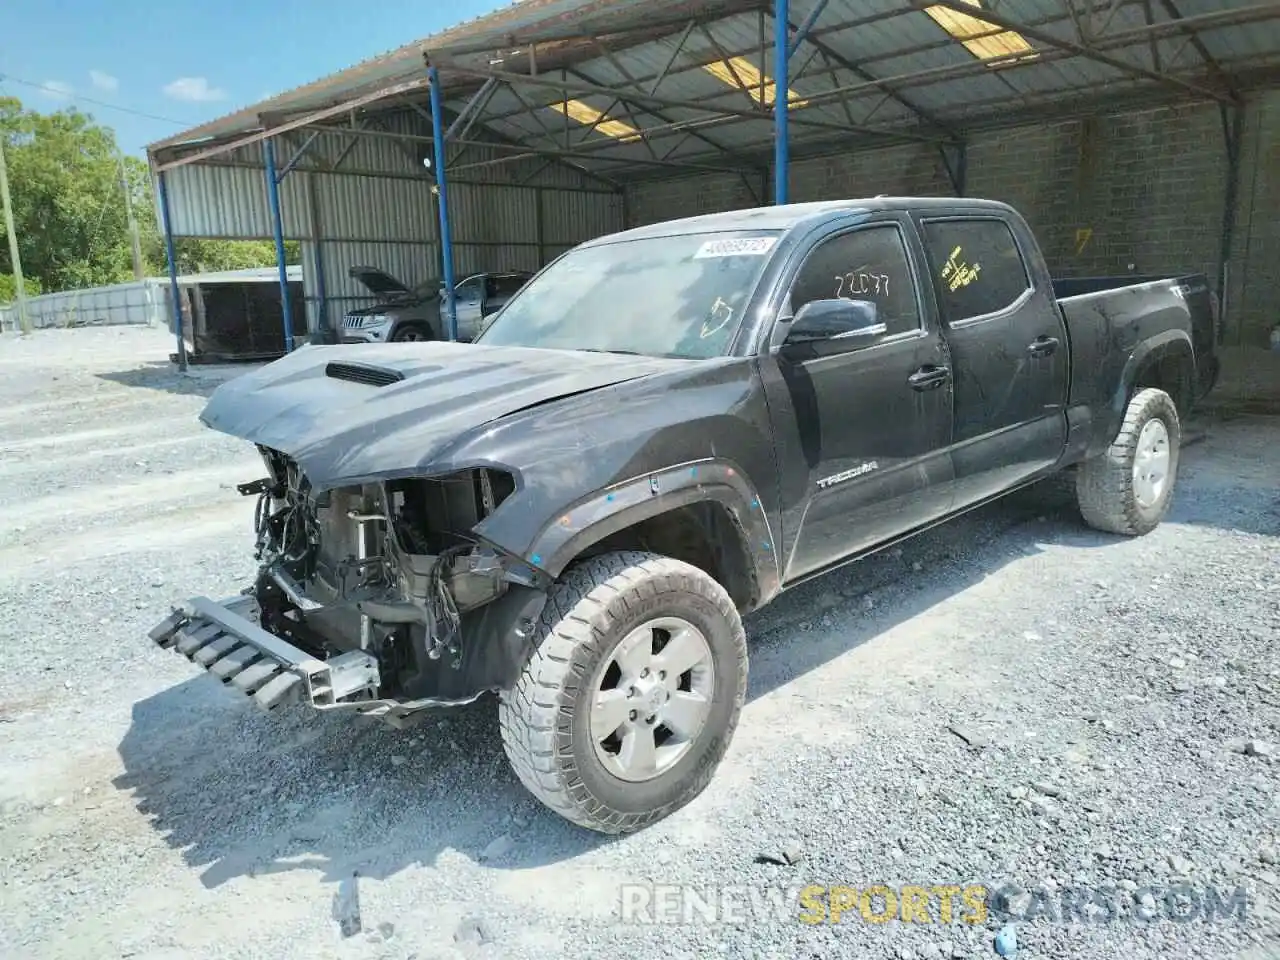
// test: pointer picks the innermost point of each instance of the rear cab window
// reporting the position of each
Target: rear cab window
(978, 269)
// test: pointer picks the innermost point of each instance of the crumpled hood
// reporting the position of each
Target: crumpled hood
(343, 432)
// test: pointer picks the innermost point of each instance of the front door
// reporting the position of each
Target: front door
(869, 417)
(1009, 354)
(468, 303)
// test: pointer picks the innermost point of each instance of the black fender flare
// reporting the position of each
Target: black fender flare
(625, 504)
(1146, 353)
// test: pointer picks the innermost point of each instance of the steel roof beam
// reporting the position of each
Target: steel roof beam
(801, 32)
(817, 32)
(675, 55)
(860, 72)
(979, 67)
(641, 97)
(1087, 51)
(473, 108)
(1216, 68)
(537, 117)
(311, 117)
(659, 115)
(525, 153)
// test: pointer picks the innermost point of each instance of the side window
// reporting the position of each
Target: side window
(867, 264)
(467, 290)
(977, 266)
(506, 287)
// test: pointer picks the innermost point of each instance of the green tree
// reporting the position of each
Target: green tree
(70, 215)
(205, 256)
(64, 179)
(9, 287)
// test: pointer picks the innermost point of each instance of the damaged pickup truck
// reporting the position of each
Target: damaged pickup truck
(661, 432)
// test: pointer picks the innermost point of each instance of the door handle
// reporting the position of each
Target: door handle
(1042, 346)
(928, 378)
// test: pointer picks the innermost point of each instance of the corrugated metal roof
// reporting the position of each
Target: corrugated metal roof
(883, 70)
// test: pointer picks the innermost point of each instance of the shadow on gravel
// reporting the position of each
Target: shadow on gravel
(243, 794)
(789, 639)
(164, 376)
(792, 636)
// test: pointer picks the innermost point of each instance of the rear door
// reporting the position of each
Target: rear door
(865, 421)
(1009, 351)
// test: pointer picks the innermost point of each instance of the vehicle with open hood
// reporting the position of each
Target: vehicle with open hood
(405, 314)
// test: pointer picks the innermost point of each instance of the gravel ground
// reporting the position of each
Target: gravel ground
(1115, 705)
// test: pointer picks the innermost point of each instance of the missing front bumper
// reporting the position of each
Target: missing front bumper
(224, 639)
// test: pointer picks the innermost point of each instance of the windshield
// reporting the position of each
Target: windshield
(680, 296)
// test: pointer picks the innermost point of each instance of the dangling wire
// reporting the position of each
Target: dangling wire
(444, 610)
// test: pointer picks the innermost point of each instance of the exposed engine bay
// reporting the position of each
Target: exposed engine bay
(390, 569)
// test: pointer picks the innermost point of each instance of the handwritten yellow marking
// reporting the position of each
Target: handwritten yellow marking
(957, 273)
(1083, 236)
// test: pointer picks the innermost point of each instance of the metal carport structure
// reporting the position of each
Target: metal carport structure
(514, 136)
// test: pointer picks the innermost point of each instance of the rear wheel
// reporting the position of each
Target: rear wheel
(411, 332)
(632, 695)
(1128, 489)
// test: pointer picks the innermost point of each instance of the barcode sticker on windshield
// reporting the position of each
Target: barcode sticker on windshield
(742, 247)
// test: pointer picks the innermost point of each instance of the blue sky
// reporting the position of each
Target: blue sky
(189, 61)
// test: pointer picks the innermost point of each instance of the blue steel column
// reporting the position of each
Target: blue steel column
(446, 241)
(781, 92)
(277, 227)
(174, 293)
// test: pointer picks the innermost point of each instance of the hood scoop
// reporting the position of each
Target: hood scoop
(363, 373)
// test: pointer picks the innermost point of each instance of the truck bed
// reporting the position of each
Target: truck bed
(1111, 306)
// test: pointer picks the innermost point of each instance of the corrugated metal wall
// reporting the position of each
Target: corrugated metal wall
(378, 208)
(141, 302)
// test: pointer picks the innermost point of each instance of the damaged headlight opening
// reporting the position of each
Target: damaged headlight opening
(388, 568)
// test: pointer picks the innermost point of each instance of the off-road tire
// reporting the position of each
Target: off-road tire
(1104, 484)
(594, 606)
(401, 334)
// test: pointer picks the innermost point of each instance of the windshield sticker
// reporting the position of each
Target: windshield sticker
(743, 247)
(957, 273)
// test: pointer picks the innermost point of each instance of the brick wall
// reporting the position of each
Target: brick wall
(1140, 191)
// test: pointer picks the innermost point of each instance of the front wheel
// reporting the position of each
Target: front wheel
(411, 333)
(632, 694)
(1128, 489)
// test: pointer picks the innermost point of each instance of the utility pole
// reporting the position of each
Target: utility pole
(134, 243)
(13, 243)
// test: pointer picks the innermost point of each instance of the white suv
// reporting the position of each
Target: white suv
(405, 313)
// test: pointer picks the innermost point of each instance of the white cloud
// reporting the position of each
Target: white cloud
(193, 90)
(57, 90)
(104, 81)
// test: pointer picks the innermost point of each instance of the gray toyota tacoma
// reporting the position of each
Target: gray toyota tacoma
(661, 432)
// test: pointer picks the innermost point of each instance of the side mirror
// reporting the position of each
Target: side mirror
(828, 319)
